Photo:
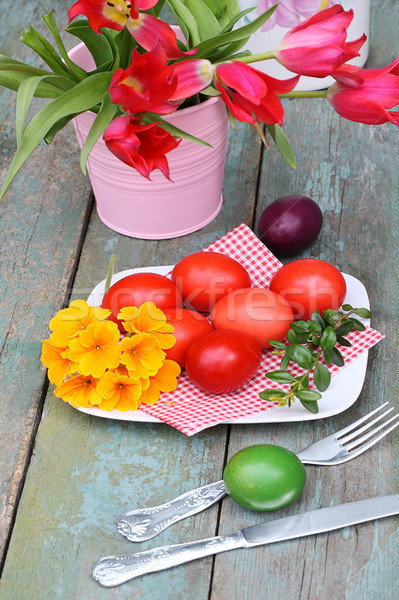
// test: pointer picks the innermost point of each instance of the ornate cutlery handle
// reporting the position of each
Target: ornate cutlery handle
(114, 570)
(145, 523)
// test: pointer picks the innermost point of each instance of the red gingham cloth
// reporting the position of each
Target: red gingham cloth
(188, 409)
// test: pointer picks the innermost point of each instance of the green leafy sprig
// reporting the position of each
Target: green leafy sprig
(307, 343)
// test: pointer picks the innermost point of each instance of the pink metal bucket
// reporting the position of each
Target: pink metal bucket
(159, 209)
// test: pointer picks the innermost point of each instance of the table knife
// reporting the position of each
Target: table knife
(114, 570)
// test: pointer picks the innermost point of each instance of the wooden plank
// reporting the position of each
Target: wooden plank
(48, 197)
(351, 170)
(101, 468)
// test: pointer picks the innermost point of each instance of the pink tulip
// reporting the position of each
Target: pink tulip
(365, 95)
(146, 85)
(142, 147)
(251, 95)
(318, 46)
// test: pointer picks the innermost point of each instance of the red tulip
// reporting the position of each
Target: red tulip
(142, 147)
(114, 14)
(192, 76)
(147, 30)
(146, 85)
(318, 46)
(365, 95)
(251, 95)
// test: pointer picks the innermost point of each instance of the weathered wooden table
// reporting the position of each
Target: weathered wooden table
(65, 476)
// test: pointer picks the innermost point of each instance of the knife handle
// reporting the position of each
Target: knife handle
(114, 570)
(145, 523)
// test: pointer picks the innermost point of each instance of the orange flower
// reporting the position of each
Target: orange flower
(142, 355)
(80, 391)
(119, 391)
(58, 366)
(148, 319)
(70, 322)
(164, 381)
(96, 349)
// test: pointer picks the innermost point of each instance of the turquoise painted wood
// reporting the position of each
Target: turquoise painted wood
(84, 471)
(42, 220)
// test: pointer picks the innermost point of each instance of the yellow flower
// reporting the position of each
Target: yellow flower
(58, 366)
(119, 391)
(142, 355)
(70, 322)
(148, 319)
(96, 349)
(80, 391)
(164, 381)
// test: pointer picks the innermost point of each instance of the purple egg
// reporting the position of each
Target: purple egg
(290, 224)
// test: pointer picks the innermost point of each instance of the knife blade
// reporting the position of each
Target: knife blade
(115, 570)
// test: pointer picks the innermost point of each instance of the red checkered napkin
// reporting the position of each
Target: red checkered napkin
(188, 409)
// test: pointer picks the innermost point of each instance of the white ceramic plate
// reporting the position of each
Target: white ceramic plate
(343, 391)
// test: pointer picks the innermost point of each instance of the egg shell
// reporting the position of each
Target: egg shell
(290, 224)
(258, 311)
(264, 477)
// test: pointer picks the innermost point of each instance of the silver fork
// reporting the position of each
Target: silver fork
(145, 523)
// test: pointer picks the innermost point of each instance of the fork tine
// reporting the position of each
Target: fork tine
(359, 421)
(361, 449)
(368, 435)
(357, 432)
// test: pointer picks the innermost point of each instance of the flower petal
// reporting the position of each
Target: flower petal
(192, 75)
(148, 31)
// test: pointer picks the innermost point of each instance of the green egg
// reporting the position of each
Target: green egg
(264, 477)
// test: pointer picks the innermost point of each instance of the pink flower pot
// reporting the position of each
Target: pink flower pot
(159, 209)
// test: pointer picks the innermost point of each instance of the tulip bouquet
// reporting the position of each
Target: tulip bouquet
(143, 72)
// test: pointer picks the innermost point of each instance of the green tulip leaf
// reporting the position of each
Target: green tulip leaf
(186, 22)
(208, 25)
(105, 115)
(282, 144)
(54, 129)
(229, 26)
(230, 51)
(26, 92)
(207, 47)
(175, 131)
(80, 98)
(77, 72)
(14, 72)
(98, 45)
(223, 11)
(32, 38)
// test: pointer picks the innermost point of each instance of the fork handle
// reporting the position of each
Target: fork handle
(145, 523)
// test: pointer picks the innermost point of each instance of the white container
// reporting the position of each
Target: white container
(287, 15)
